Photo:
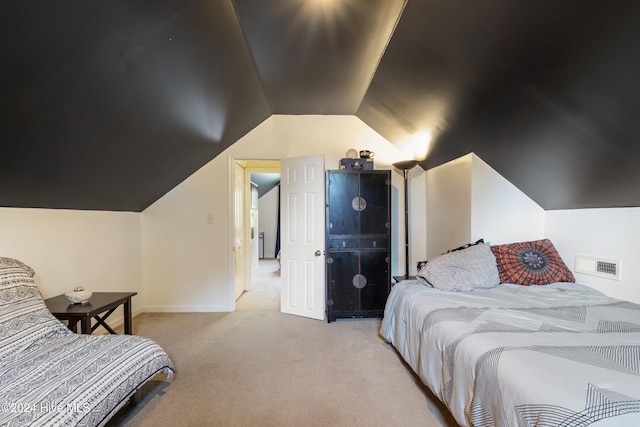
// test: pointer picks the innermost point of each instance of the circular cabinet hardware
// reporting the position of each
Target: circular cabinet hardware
(329, 260)
(318, 253)
(358, 204)
(359, 281)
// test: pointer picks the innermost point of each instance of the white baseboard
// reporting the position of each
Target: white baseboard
(185, 309)
(115, 321)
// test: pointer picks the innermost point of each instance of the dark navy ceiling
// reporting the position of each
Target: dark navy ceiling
(108, 105)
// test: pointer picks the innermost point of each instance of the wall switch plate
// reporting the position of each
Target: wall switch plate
(211, 218)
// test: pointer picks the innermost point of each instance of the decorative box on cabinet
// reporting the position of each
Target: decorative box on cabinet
(358, 243)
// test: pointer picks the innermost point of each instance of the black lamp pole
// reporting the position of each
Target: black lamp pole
(405, 166)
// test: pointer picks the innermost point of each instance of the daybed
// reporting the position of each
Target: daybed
(504, 354)
(50, 376)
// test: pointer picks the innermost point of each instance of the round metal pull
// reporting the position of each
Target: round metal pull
(359, 281)
(318, 253)
(358, 204)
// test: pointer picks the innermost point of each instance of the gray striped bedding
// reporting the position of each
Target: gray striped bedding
(556, 355)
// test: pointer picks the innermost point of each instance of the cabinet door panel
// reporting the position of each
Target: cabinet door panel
(375, 266)
(377, 242)
(375, 190)
(342, 218)
(343, 268)
(343, 242)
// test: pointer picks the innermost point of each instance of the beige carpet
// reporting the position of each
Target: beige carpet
(259, 367)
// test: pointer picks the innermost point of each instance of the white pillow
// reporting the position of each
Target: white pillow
(463, 270)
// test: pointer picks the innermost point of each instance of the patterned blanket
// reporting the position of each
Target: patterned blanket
(50, 376)
(555, 355)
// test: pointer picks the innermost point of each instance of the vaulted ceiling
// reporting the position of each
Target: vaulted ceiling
(108, 105)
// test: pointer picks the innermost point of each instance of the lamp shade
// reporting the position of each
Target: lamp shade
(406, 164)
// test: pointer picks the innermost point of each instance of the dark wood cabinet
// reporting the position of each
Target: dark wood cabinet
(358, 240)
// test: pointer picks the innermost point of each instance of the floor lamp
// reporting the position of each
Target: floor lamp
(405, 166)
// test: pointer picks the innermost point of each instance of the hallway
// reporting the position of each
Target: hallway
(265, 288)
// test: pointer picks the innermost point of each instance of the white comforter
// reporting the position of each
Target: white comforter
(560, 354)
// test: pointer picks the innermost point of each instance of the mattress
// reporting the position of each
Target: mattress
(559, 354)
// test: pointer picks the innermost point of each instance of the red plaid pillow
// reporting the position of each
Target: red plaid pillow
(531, 263)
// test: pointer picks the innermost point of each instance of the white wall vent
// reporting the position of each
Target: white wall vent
(597, 266)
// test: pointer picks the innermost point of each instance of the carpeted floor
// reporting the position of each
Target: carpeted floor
(259, 367)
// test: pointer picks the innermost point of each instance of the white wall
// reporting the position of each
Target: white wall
(184, 258)
(269, 221)
(448, 200)
(417, 184)
(68, 248)
(468, 200)
(255, 241)
(607, 233)
(186, 262)
(500, 213)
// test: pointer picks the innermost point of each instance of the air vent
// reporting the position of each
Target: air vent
(597, 266)
(605, 267)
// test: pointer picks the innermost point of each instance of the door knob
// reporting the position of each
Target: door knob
(318, 253)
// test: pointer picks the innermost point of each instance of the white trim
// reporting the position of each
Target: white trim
(185, 309)
(231, 292)
(231, 160)
(248, 170)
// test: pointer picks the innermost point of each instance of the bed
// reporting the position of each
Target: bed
(50, 376)
(552, 354)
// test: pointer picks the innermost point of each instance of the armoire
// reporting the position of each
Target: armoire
(358, 242)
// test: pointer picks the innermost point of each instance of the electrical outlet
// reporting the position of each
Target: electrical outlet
(211, 218)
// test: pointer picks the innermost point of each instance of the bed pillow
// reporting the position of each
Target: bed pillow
(468, 245)
(16, 285)
(13, 265)
(531, 263)
(420, 264)
(24, 318)
(463, 270)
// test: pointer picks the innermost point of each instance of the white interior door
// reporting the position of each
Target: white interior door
(239, 229)
(302, 236)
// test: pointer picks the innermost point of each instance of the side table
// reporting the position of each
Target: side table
(99, 302)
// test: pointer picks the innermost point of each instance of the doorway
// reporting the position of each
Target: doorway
(302, 260)
(265, 288)
(260, 281)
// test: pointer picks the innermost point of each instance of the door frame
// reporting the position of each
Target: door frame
(250, 165)
(240, 181)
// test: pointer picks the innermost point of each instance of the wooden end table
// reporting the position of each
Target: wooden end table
(99, 302)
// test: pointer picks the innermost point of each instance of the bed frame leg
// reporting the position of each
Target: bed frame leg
(135, 398)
